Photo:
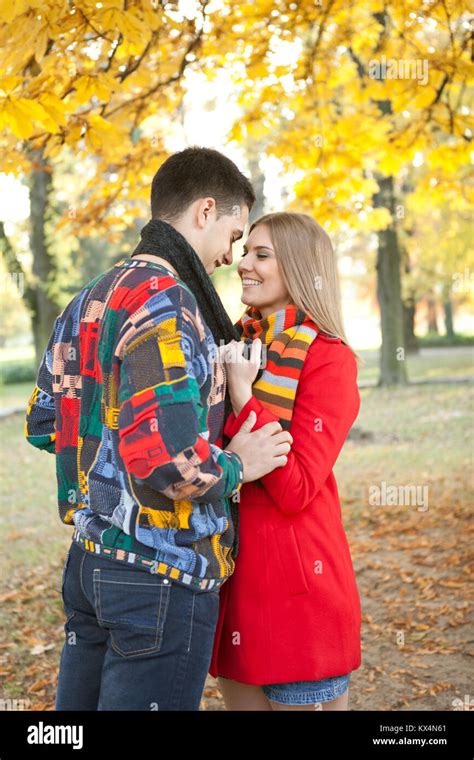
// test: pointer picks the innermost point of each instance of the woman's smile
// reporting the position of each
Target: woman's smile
(262, 282)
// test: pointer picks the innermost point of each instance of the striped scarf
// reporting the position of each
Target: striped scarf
(286, 336)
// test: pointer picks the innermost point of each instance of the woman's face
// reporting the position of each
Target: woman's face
(262, 283)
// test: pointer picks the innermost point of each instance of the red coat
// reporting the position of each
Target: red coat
(291, 610)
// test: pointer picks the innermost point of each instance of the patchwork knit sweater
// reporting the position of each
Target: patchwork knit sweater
(130, 397)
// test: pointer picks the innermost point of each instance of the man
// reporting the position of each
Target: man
(130, 397)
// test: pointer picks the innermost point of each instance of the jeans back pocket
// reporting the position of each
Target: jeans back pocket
(132, 605)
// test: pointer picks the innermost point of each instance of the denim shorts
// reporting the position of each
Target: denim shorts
(307, 692)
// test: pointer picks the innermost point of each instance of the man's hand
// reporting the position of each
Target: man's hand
(261, 451)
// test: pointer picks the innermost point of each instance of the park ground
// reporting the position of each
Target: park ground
(413, 565)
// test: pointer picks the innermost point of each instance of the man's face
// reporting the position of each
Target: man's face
(219, 235)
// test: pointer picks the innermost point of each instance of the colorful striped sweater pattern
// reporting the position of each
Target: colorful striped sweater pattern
(130, 398)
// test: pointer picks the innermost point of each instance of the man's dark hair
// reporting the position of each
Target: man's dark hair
(196, 173)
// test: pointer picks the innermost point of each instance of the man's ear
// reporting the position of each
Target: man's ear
(205, 207)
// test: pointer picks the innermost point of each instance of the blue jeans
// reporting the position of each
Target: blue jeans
(134, 640)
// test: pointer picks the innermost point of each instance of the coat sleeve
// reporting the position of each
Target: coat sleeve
(326, 405)
(40, 422)
(163, 439)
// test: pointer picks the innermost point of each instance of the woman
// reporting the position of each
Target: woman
(288, 633)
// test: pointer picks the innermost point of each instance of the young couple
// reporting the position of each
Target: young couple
(207, 527)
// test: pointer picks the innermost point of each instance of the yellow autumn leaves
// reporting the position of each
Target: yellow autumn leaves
(105, 79)
(24, 115)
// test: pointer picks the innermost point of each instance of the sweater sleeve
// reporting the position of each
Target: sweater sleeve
(40, 422)
(164, 440)
(326, 405)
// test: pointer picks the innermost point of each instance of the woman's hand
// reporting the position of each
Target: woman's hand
(241, 372)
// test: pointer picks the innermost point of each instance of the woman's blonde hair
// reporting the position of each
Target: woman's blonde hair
(308, 267)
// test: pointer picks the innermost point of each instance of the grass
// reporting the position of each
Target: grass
(30, 530)
(420, 435)
(17, 353)
(428, 364)
(12, 396)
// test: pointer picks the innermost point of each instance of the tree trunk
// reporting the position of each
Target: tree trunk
(409, 311)
(432, 315)
(448, 312)
(44, 310)
(389, 261)
(392, 354)
(258, 181)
